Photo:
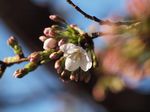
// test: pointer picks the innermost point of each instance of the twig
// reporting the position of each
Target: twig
(16, 62)
(94, 35)
(4, 65)
(83, 13)
(101, 22)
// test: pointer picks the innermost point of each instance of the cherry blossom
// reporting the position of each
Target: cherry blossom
(76, 57)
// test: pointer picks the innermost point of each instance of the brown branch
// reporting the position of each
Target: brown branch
(4, 65)
(83, 13)
(2, 68)
(94, 35)
(93, 18)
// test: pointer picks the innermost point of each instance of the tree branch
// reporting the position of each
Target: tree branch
(94, 18)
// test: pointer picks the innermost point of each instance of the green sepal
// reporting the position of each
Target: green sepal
(31, 66)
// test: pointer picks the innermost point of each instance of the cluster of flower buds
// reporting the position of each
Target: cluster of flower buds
(67, 45)
(35, 59)
(73, 50)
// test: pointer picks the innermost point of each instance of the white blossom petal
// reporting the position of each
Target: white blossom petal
(76, 57)
(68, 48)
(85, 62)
(71, 65)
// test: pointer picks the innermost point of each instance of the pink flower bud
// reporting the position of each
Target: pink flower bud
(57, 64)
(53, 55)
(20, 73)
(11, 41)
(72, 77)
(73, 25)
(61, 42)
(34, 57)
(49, 32)
(57, 19)
(56, 55)
(59, 70)
(50, 44)
(42, 38)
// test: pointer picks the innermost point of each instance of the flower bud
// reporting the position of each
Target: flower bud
(42, 38)
(73, 26)
(49, 32)
(57, 64)
(31, 66)
(65, 75)
(50, 44)
(35, 57)
(61, 42)
(72, 77)
(53, 55)
(12, 41)
(16, 47)
(20, 73)
(56, 55)
(57, 19)
(59, 70)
